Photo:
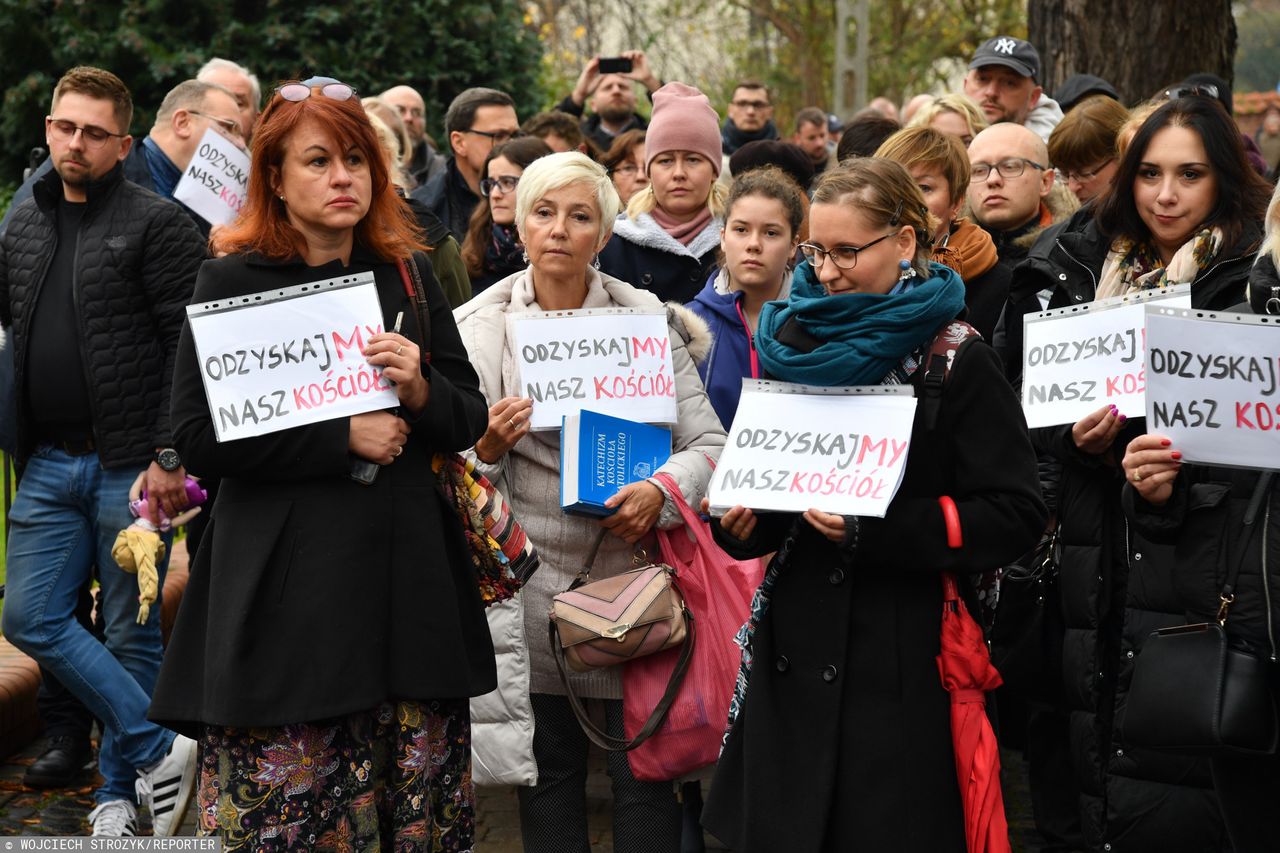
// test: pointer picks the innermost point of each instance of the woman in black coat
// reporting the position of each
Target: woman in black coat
(1184, 208)
(843, 737)
(333, 631)
(1200, 510)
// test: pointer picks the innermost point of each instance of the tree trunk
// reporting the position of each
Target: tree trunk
(1140, 48)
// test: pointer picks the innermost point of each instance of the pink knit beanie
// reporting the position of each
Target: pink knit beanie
(683, 120)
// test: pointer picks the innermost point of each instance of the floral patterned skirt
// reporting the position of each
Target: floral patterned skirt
(397, 777)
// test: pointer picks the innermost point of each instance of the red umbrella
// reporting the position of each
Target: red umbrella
(967, 674)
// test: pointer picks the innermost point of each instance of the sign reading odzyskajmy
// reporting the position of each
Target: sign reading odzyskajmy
(284, 358)
(215, 181)
(793, 447)
(1212, 385)
(1080, 358)
(616, 361)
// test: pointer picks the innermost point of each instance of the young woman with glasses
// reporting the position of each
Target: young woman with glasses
(333, 630)
(492, 249)
(625, 162)
(844, 690)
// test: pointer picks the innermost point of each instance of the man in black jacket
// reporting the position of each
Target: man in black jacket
(612, 98)
(477, 120)
(95, 273)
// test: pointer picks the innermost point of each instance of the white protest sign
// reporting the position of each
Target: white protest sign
(284, 358)
(616, 361)
(1080, 358)
(215, 181)
(1212, 385)
(841, 450)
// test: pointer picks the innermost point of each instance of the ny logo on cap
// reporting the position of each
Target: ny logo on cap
(1005, 45)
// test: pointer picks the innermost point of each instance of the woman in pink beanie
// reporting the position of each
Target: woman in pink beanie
(668, 239)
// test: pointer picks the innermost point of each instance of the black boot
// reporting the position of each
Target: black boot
(60, 763)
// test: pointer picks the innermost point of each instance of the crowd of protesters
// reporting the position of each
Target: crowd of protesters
(333, 679)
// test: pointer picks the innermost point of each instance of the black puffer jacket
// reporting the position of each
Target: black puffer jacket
(135, 267)
(1117, 587)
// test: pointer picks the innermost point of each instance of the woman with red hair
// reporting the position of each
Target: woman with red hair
(333, 630)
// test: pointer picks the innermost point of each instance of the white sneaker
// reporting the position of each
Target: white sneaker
(166, 788)
(114, 819)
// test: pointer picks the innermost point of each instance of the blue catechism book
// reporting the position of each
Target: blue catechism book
(600, 454)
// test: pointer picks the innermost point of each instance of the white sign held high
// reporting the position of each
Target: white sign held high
(616, 361)
(1212, 385)
(216, 180)
(284, 358)
(841, 450)
(1080, 358)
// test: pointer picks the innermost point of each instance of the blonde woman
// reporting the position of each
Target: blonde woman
(952, 113)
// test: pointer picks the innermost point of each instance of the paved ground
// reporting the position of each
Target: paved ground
(24, 811)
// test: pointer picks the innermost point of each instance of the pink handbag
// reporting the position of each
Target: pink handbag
(717, 590)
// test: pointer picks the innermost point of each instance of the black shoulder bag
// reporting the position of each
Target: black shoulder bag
(1193, 692)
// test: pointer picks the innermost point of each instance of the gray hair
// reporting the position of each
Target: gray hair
(555, 171)
(187, 95)
(219, 64)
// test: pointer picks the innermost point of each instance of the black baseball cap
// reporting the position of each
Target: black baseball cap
(1010, 52)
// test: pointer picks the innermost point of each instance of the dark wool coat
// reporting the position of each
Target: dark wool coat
(136, 261)
(313, 596)
(844, 739)
(1117, 587)
(644, 256)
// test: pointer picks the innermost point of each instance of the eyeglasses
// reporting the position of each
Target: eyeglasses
(505, 184)
(299, 91)
(498, 136)
(751, 105)
(92, 135)
(628, 170)
(1085, 177)
(1202, 90)
(231, 127)
(844, 257)
(1010, 168)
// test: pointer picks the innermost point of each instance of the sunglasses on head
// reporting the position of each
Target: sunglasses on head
(1202, 90)
(297, 90)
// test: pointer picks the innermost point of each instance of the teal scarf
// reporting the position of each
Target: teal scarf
(864, 336)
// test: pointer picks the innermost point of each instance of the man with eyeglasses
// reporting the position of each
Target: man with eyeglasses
(190, 108)
(477, 120)
(611, 98)
(95, 275)
(750, 117)
(1009, 184)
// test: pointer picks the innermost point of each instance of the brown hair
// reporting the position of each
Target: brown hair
(883, 193)
(389, 229)
(560, 123)
(102, 85)
(811, 115)
(621, 149)
(521, 152)
(769, 182)
(1087, 135)
(924, 146)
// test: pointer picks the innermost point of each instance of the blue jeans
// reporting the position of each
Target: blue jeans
(64, 521)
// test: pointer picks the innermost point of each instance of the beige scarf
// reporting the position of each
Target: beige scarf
(1130, 266)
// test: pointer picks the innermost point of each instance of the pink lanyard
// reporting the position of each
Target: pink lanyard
(751, 340)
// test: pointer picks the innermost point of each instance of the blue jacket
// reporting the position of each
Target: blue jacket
(729, 359)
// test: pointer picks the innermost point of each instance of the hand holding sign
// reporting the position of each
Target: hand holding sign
(1096, 431)
(1151, 465)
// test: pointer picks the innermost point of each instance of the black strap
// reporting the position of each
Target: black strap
(411, 277)
(931, 395)
(1250, 515)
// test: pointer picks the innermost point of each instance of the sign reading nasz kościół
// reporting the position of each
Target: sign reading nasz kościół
(288, 357)
(1212, 382)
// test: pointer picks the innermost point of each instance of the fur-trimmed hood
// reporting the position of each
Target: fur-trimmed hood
(693, 328)
(645, 231)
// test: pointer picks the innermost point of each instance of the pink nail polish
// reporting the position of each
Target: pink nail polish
(1122, 418)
